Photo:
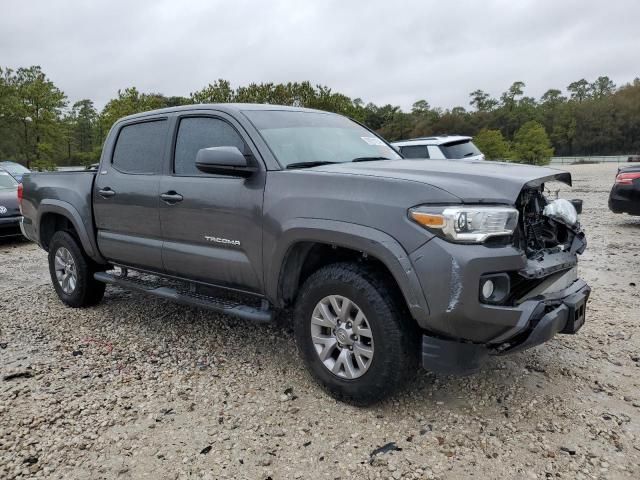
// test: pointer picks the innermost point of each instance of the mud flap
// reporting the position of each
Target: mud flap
(449, 357)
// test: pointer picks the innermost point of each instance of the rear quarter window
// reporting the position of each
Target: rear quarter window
(140, 147)
(461, 149)
(414, 151)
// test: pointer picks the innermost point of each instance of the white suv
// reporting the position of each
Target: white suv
(443, 147)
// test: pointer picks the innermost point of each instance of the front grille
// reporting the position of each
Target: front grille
(520, 286)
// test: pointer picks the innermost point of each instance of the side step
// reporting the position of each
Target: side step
(188, 298)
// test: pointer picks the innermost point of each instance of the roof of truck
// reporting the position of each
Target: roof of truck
(224, 107)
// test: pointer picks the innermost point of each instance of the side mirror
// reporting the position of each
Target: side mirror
(224, 161)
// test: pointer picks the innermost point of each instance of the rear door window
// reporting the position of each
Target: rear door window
(196, 133)
(140, 147)
(415, 151)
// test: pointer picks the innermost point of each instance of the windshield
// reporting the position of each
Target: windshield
(7, 181)
(296, 137)
(14, 168)
(462, 149)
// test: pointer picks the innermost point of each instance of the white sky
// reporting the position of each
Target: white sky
(381, 51)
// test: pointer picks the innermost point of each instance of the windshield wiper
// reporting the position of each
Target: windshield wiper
(369, 159)
(308, 164)
(468, 154)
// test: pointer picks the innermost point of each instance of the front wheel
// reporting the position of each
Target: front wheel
(353, 334)
(72, 272)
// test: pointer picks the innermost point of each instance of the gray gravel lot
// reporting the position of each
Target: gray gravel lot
(138, 387)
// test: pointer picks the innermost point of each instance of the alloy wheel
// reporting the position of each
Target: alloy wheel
(66, 272)
(342, 337)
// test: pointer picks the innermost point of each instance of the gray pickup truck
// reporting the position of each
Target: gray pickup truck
(387, 262)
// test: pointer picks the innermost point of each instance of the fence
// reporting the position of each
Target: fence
(593, 159)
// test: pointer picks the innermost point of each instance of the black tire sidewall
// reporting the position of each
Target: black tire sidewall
(392, 355)
(88, 291)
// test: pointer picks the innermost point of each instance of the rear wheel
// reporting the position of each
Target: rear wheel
(353, 333)
(72, 272)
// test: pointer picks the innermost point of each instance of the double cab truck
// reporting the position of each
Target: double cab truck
(386, 262)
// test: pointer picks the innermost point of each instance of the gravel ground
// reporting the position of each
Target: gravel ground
(138, 387)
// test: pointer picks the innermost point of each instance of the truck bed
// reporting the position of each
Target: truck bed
(56, 193)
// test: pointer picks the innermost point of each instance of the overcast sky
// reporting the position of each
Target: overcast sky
(383, 51)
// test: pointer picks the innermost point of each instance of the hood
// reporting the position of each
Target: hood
(9, 200)
(473, 181)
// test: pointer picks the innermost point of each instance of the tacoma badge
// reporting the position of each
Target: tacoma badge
(225, 241)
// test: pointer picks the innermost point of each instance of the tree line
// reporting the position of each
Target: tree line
(40, 128)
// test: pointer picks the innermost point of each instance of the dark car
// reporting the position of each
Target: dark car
(14, 169)
(625, 193)
(9, 208)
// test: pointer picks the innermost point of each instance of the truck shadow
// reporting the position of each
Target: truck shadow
(13, 241)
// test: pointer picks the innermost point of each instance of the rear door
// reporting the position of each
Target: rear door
(125, 196)
(212, 229)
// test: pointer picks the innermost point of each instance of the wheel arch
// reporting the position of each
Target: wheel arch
(296, 247)
(55, 215)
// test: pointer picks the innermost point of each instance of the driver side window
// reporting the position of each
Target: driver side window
(195, 133)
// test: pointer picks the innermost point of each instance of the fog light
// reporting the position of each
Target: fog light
(494, 288)
(487, 289)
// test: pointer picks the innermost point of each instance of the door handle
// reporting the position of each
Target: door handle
(106, 192)
(171, 197)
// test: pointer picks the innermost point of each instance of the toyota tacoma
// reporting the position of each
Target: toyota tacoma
(386, 262)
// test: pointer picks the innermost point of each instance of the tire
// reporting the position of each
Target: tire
(393, 341)
(85, 291)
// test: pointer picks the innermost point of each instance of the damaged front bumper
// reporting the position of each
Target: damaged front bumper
(462, 330)
(544, 317)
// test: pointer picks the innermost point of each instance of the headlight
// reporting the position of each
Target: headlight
(470, 224)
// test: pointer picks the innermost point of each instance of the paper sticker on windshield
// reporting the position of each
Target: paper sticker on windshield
(373, 141)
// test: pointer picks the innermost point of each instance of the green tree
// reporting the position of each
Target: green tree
(579, 90)
(376, 117)
(531, 144)
(85, 119)
(510, 98)
(602, 87)
(128, 102)
(219, 91)
(563, 129)
(34, 106)
(421, 107)
(552, 97)
(9, 131)
(492, 144)
(598, 118)
(482, 101)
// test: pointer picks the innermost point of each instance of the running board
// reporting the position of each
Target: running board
(188, 298)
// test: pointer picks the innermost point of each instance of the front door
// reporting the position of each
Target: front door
(211, 224)
(126, 196)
